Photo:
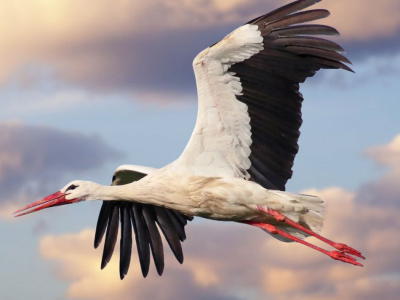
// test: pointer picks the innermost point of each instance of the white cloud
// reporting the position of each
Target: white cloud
(387, 155)
(383, 191)
(225, 259)
(132, 44)
(364, 19)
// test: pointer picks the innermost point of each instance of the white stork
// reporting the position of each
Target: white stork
(240, 154)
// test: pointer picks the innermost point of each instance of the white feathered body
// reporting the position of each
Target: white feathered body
(216, 198)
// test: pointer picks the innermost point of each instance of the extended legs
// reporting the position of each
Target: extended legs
(341, 255)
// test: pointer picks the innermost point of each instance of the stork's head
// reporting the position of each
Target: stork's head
(74, 191)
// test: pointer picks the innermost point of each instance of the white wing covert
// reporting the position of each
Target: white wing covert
(249, 111)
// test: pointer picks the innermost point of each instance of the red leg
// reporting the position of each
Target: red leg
(281, 218)
(338, 255)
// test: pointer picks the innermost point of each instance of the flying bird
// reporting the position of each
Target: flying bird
(241, 152)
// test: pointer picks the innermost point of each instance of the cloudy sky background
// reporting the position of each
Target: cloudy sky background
(89, 85)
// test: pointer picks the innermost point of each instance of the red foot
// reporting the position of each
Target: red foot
(281, 218)
(347, 249)
(344, 258)
(338, 255)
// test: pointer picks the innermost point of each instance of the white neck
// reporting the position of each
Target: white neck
(129, 192)
(140, 192)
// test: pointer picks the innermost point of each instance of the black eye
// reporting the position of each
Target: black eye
(71, 187)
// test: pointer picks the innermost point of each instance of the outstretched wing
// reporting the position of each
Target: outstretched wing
(249, 101)
(144, 220)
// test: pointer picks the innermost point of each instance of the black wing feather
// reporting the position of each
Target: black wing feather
(270, 85)
(182, 218)
(155, 238)
(308, 41)
(284, 10)
(102, 222)
(169, 231)
(143, 218)
(300, 30)
(111, 235)
(301, 17)
(142, 237)
(125, 242)
(179, 228)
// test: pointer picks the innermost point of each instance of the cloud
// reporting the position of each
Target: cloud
(227, 261)
(79, 264)
(149, 45)
(386, 155)
(384, 191)
(42, 102)
(368, 28)
(31, 158)
(362, 20)
(102, 45)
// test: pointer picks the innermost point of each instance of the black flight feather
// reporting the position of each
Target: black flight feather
(144, 219)
(270, 85)
(179, 228)
(142, 237)
(170, 234)
(102, 223)
(155, 238)
(125, 241)
(111, 235)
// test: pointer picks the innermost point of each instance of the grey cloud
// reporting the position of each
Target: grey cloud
(385, 190)
(245, 262)
(162, 61)
(221, 259)
(150, 46)
(32, 158)
(178, 284)
(159, 61)
(381, 192)
(383, 46)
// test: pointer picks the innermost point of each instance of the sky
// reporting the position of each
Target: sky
(86, 86)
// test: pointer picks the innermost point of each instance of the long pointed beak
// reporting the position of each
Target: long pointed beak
(56, 199)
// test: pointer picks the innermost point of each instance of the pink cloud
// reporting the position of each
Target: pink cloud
(364, 19)
(223, 259)
(230, 260)
(387, 155)
(126, 46)
(384, 190)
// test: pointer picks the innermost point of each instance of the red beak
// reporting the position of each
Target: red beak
(55, 199)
